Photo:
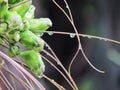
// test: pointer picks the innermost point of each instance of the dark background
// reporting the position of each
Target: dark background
(93, 17)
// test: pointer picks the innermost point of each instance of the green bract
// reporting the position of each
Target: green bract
(13, 51)
(14, 1)
(13, 36)
(40, 24)
(3, 28)
(14, 21)
(3, 8)
(30, 13)
(22, 9)
(30, 40)
(34, 61)
(26, 25)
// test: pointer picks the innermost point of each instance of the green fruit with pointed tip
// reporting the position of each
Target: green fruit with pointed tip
(34, 61)
(41, 24)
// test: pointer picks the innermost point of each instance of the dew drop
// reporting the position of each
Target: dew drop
(67, 6)
(72, 35)
(105, 40)
(100, 39)
(80, 47)
(58, 63)
(41, 34)
(46, 45)
(50, 33)
(84, 36)
(89, 37)
(52, 80)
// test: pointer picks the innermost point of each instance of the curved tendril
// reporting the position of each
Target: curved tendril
(100, 71)
(78, 38)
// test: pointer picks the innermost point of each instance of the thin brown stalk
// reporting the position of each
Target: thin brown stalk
(77, 35)
(84, 35)
(61, 9)
(5, 46)
(72, 23)
(89, 37)
(5, 57)
(17, 78)
(60, 64)
(47, 53)
(58, 71)
(7, 82)
(68, 8)
(11, 78)
(3, 81)
(54, 83)
(13, 82)
(23, 75)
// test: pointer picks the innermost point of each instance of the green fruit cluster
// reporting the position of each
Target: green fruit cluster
(18, 25)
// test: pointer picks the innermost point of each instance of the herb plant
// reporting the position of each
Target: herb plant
(20, 29)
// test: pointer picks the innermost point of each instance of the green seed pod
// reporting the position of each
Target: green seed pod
(22, 9)
(40, 24)
(14, 1)
(13, 51)
(3, 28)
(14, 21)
(34, 61)
(30, 40)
